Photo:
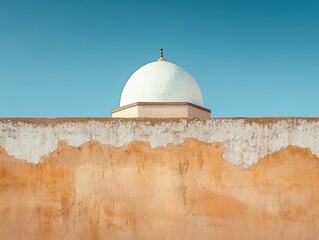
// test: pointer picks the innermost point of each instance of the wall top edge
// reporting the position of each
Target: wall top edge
(53, 121)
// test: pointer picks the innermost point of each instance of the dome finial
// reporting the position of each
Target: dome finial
(161, 58)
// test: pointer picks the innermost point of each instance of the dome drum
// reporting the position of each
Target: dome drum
(161, 110)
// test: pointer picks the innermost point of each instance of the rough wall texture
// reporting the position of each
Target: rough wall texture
(159, 179)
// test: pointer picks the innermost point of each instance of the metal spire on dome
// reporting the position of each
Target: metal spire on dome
(161, 58)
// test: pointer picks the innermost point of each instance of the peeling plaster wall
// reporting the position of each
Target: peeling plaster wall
(245, 141)
(159, 179)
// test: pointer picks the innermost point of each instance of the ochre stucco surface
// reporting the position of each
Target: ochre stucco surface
(184, 191)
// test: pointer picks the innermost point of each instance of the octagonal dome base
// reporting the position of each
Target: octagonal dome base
(161, 110)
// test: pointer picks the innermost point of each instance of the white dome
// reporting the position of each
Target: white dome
(161, 81)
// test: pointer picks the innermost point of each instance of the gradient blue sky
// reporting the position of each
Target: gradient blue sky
(72, 58)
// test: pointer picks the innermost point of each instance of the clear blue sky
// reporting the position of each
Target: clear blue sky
(72, 58)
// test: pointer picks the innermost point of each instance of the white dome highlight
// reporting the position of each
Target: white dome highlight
(161, 81)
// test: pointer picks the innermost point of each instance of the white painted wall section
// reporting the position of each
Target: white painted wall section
(244, 142)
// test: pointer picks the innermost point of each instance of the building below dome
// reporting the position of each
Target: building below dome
(161, 110)
(161, 89)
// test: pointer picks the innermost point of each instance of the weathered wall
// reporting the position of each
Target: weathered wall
(159, 179)
(245, 141)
